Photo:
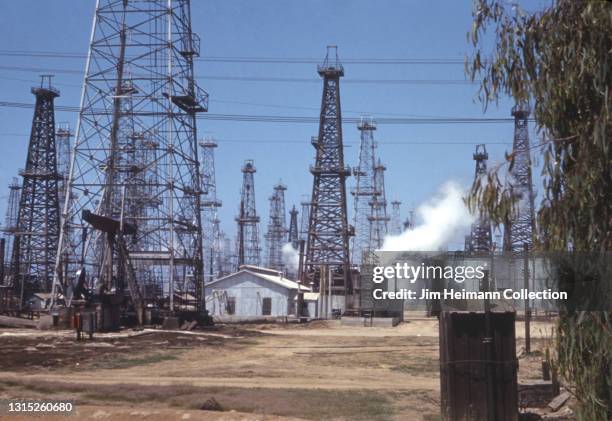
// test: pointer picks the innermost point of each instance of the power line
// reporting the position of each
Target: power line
(243, 59)
(266, 79)
(298, 119)
(307, 141)
(257, 104)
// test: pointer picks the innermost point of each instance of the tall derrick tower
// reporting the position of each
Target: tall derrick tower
(328, 234)
(364, 191)
(210, 206)
(63, 136)
(304, 218)
(10, 222)
(227, 263)
(378, 218)
(480, 238)
(38, 218)
(135, 156)
(247, 238)
(520, 228)
(396, 218)
(277, 228)
(293, 235)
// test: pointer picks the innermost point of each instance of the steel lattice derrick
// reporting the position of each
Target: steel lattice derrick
(293, 235)
(328, 233)
(135, 155)
(277, 228)
(210, 206)
(396, 218)
(520, 228)
(364, 190)
(227, 257)
(304, 218)
(10, 221)
(62, 137)
(38, 217)
(378, 217)
(247, 238)
(480, 238)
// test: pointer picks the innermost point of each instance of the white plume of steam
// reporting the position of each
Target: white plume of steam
(443, 217)
(291, 257)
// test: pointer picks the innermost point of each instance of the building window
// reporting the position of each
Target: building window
(231, 305)
(266, 307)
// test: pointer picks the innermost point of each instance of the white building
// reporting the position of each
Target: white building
(252, 293)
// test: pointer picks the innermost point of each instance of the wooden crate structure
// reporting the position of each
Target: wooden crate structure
(478, 366)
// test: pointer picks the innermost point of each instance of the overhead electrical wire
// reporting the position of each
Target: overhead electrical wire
(243, 59)
(46, 70)
(293, 119)
(307, 141)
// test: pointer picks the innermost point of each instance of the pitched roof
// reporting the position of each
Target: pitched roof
(269, 275)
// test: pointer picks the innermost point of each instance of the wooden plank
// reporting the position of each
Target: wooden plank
(559, 401)
(17, 322)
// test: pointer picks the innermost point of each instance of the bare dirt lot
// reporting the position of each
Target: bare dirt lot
(320, 370)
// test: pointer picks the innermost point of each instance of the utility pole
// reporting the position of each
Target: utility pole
(328, 233)
(247, 239)
(135, 156)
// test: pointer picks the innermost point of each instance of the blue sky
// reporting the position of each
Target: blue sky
(419, 158)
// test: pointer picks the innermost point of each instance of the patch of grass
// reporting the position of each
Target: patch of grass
(118, 362)
(314, 404)
(426, 368)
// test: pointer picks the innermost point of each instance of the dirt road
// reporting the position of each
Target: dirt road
(317, 371)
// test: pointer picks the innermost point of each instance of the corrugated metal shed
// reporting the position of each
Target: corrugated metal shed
(252, 293)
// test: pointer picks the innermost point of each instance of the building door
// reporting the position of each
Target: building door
(266, 306)
(231, 305)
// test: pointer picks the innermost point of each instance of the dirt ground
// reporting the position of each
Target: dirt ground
(315, 371)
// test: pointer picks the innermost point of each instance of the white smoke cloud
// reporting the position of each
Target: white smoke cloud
(291, 257)
(443, 217)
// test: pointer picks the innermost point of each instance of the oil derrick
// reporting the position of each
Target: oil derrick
(364, 191)
(480, 238)
(409, 222)
(378, 218)
(328, 234)
(62, 137)
(135, 156)
(227, 264)
(293, 235)
(38, 217)
(520, 228)
(304, 218)
(396, 218)
(277, 229)
(247, 237)
(210, 206)
(10, 222)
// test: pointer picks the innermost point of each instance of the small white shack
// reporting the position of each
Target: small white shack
(252, 293)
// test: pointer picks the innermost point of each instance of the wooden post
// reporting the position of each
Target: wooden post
(321, 290)
(527, 309)
(546, 366)
(329, 292)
